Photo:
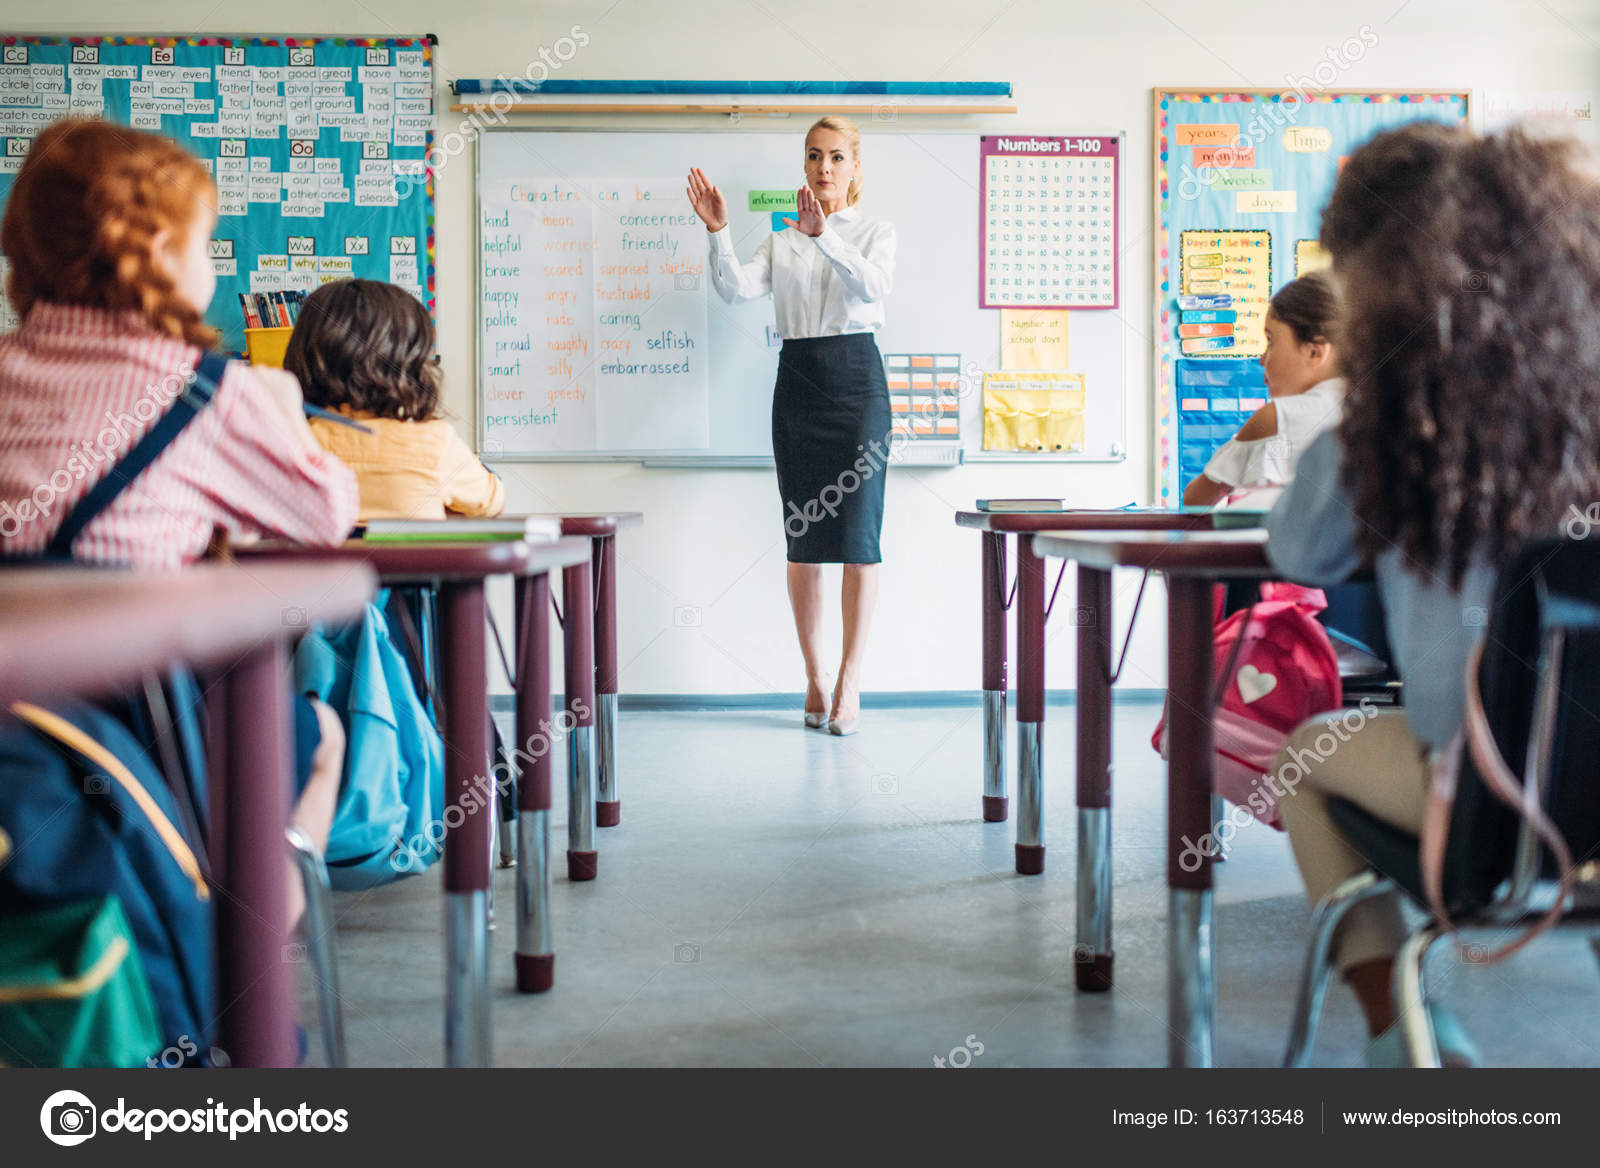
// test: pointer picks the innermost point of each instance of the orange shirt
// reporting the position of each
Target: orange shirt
(412, 470)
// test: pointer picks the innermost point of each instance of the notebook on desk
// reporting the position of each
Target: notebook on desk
(1022, 504)
(536, 527)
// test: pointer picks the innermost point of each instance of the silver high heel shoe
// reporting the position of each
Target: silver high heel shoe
(839, 727)
(817, 720)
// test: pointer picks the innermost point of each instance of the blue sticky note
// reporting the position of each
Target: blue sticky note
(778, 218)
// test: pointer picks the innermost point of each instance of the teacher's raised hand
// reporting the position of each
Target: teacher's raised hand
(707, 200)
(809, 211)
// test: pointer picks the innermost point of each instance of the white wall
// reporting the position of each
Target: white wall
(713, 540)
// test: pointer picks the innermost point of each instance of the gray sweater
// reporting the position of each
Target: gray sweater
(1311, 539)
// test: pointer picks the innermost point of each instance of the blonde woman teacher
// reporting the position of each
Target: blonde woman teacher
(829, 272)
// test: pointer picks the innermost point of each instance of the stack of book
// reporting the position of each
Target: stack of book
(511, 527)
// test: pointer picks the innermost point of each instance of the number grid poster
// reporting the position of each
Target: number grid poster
(1047, 226)
(1241, 180)
(319, 146)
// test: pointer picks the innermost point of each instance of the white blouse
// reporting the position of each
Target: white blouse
(825, 286)
(1271, 460)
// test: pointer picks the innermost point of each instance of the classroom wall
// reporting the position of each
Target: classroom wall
(702, 585)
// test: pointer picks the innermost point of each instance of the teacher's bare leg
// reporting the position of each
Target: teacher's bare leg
(805, 597)
(860, 597)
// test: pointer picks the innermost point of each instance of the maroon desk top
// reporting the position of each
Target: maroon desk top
(88, 631)
(398, 563)
(1028, 522)
(1177, 553)
(593, 524)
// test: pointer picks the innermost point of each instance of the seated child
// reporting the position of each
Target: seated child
(1300, 368)
(365, 349)
(106, 230)
(1473, 422)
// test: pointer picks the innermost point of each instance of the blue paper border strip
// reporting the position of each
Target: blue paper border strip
(763, 88)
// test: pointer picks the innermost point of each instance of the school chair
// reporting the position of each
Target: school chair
(321, 943)
(1355, 624)
(1540, 679)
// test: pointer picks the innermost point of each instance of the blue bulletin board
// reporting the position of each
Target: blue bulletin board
(1242, 178)
(320, 146)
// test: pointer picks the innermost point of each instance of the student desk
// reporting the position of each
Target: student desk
(1192, 562)
(458, 570)
(1094, 670)
(601, 528)
(86, 631)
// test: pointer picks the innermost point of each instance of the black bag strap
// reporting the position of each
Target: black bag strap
(197, 394)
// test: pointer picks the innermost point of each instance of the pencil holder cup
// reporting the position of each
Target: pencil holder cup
(266, 346)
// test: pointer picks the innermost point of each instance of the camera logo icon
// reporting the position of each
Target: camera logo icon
(96, 785)
(686, 954)
(687, 616)
(294, 617)
(686, 282)
(67, 1118)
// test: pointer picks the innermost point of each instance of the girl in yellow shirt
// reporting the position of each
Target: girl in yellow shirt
(364, 349)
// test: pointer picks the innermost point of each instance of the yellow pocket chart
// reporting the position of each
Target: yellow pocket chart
(1036, 413)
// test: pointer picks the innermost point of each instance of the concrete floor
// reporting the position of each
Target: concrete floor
(778, 897)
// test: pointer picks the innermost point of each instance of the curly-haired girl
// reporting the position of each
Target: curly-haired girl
(364, 349)
(1470, 268)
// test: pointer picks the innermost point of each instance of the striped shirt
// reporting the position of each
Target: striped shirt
(79, 386)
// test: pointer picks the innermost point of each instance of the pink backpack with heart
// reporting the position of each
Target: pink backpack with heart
(1281, 670)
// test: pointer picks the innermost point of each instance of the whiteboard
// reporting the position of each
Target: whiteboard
(925, 183)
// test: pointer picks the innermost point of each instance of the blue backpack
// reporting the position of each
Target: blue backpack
(88, 817)
(389, 820)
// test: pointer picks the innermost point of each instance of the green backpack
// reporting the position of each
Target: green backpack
(72, 989)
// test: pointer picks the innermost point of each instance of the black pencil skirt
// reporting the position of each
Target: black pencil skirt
(830, 439)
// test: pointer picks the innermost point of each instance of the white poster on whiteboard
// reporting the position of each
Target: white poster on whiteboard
(652, 388)
(594, 317)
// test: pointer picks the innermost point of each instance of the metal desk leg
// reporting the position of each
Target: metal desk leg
(468, 818)
(582, 859)
(1191, 989)
(1092, 957)
(1030, 709)
(995, 804)
(534, 755)
(608, 801)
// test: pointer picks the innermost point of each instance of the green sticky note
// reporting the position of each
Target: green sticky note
(772, 200)
(1241, 180)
